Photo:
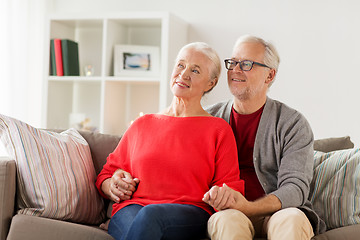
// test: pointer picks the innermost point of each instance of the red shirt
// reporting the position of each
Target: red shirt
(177, 159)
(245, 128)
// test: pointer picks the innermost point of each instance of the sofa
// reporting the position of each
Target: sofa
(15, 225)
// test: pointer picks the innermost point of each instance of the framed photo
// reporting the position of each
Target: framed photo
(136, 60)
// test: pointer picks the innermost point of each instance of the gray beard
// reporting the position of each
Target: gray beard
(241, 95)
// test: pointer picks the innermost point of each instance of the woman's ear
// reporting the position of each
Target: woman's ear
(211, 84)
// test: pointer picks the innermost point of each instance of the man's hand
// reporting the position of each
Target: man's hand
(120, 186)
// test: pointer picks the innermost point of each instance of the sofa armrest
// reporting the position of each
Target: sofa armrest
(7, 194)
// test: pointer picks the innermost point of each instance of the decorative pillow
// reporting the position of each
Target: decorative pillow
(55, 173)
(335, 188)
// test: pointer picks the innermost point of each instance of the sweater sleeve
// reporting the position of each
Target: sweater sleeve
(119, 158)
(226, 162)
(296, 165)
(283, 154)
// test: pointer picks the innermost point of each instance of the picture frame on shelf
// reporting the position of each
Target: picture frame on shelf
(136, 61)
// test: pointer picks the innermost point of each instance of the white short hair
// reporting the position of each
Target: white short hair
(271, 56)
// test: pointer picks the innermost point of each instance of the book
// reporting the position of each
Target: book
(52, 58)
(58, 57)
(70, 56)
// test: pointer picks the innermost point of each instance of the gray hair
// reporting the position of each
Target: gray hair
(209, 52)
(271, 56)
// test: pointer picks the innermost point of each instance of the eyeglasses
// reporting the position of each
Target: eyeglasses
(245, 65)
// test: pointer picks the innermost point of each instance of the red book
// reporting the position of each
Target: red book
(58, 57)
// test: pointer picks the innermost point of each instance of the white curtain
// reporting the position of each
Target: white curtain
(22, 54)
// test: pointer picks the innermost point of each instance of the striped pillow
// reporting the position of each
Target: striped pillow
(335, 188)
(55, 173)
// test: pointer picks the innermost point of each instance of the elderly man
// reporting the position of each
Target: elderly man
(275, 152)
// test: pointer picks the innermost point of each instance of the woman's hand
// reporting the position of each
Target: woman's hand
(224, 197)
(220, 198)
(120, 186)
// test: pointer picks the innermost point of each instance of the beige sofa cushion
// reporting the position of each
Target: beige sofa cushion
(44, 228)
(344, 233)
(7, 194)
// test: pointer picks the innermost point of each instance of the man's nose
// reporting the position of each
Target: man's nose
(237, 68)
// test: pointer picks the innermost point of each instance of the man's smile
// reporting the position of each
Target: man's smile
(238, 80)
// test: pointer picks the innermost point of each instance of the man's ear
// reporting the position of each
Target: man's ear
(270, 76)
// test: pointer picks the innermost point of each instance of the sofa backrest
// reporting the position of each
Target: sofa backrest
(101, 145)
(333, 144)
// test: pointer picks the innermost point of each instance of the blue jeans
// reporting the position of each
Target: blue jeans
(159, 221)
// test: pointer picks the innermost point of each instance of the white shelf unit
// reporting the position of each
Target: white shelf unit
(109, 101)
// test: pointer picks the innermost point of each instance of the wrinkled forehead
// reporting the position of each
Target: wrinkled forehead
(249, 51)
(193, 56)
(190, 52)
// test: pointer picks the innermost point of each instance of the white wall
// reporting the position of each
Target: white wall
(318, 42)
(22, 24)
(22, 59)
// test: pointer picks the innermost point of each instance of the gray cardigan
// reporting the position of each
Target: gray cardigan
(283, 155)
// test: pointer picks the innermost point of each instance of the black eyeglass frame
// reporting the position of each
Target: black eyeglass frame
(239, 62)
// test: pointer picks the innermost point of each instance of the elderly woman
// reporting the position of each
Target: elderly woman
(174, 157)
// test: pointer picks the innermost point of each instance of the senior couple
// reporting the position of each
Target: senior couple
(239, 169)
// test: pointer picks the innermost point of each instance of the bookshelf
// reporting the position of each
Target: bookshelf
(111, 102)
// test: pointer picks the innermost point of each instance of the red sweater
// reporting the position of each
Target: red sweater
(177, 159)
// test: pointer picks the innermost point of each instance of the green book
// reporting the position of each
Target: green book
(70, 55)
(52, 59)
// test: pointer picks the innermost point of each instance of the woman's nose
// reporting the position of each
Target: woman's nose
(185, 74)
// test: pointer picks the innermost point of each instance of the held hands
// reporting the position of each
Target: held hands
(224, 197)
(120, 186)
